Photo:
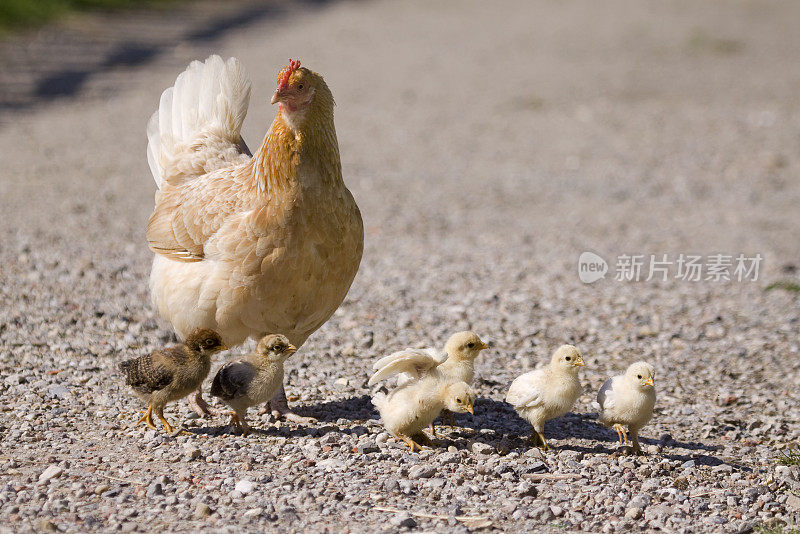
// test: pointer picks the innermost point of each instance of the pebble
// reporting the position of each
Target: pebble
(245, 487)
(53, 471)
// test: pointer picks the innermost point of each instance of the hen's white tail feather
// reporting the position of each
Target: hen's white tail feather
(202, 114)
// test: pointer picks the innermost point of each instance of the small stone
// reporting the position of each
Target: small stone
(482, 448)
(244, 487)
(53, 471)
(155, 489)
(193, 453)
(402, 520)
(557, 511)
(542, 513)
(681, 482)
(253, 512)
(633, 513)
(101, 488)
(368, 448)
(536, 453)
(526, 489)
(689, 464)
(46, 525)
(421, 471)
(202, 510)
(793, 502)
(341, 382)
(15, 379)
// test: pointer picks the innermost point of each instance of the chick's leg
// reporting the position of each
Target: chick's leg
(637, 449)
(167, 426)
(147, 418)
(411, 443)
(623, 435)
(432, 429)
(280, 409)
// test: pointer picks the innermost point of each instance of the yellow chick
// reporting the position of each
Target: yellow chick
(253, 379)
(457, 363)
(628, 400)
(407, 410)
(547, 393)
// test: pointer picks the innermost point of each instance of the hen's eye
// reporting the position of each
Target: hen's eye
(470, 345)
(300, 86)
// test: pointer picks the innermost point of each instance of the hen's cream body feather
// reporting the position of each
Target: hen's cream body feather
(244, 245)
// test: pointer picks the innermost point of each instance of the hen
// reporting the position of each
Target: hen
(249, 245)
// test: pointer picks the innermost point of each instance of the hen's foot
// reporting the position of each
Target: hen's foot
(199, 406)
(280, 409)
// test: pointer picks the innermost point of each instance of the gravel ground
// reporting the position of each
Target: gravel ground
(487, 148)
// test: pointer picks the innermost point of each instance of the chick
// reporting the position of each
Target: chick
(407, 410)
(170, 374)
(253, 379)
(547, 393)
(460, 352)
(628, 400)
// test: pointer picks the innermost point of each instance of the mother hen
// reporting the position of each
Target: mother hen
(249, 245)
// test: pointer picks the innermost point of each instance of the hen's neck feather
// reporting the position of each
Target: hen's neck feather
(277, 162)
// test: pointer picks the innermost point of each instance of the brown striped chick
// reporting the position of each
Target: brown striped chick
(170, 374)
(410, 408)
(628, 400)
(253, 379)
(547, 393)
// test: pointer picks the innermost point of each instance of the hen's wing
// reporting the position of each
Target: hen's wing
(196, 132)
(151, 372)
(525, 391)
(233, 379)
(413, 362)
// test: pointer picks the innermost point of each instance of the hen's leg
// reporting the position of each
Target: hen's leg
(199, 406)
(280, 409)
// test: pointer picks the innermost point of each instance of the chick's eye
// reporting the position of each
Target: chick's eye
(470, 345)
(459, 401)
(639, 377)
(568, 358)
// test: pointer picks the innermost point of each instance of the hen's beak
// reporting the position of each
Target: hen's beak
(579, 362)
(650, 381)
(470, 409)
(291, 349)
(277, 96)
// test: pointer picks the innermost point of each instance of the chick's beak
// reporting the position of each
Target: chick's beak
(291, 349)
(470, 409)
(650, 381)
(484, 346)
(579, 362)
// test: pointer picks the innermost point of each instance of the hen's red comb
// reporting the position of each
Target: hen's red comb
(286, 72)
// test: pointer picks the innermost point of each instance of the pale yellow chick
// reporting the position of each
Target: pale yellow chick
(547, 393)
(407, 410)
(458, 363)
(628, 400)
